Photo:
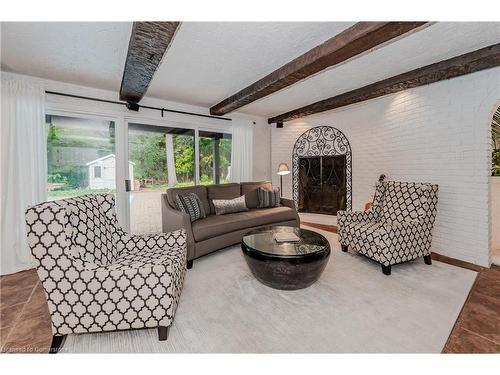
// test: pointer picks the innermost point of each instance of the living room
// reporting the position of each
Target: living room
(200, 186)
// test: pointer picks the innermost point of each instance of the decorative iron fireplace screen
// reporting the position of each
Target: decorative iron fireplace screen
(329, 170)
(322, 184)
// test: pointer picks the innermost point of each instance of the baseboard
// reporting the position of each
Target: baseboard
(457, 262)
(326, 227)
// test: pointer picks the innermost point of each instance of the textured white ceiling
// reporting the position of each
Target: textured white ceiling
(208, 61)
(435, 43)
(86, 53)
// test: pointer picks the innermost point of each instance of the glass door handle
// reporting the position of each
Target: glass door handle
(128, 185)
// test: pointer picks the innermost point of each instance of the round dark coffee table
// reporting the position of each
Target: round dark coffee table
(285, 265)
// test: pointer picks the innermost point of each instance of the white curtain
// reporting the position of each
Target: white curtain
(23, 168)
(172, 175)
(242, 151)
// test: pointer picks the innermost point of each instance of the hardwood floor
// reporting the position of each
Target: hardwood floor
(477, 329)
(25, 322)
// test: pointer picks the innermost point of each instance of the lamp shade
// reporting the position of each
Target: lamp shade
(283, 169)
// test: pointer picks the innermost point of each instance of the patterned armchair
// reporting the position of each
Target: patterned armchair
(397, 228)
(98, 278)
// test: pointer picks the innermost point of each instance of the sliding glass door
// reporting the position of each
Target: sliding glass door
(159, 157)
(94, 155)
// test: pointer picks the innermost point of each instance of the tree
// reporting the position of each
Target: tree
(147, 150)
(184, 157)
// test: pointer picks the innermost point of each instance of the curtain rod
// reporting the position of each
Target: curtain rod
(137, 105)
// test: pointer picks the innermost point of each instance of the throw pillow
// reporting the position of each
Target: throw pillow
(268, 198)
(229, 206)
(190, 204)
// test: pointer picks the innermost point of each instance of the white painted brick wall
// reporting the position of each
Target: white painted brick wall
(438, 133)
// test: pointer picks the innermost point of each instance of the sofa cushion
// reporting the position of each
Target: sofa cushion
(222, 191)
(229, 206)
(249, 190)
(268, 198)
(200, 191)
(190, 204)
(216, 225)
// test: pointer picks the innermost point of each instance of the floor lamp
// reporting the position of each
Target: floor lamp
(283, 170)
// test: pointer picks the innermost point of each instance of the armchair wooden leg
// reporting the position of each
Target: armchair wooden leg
(163, 333)
(427, 259)
(57, 343)
(386, 270)
(190, 264)
(344, 248)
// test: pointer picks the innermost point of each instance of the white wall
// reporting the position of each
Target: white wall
(262, 150)
(438, 133)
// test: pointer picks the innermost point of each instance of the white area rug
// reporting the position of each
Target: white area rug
(352, 308)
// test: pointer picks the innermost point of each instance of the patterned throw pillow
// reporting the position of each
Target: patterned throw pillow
(190, 204)
(229, 206)
(268, 198)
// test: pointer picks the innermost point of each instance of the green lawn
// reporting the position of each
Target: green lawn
(163, 187)
(67, 193)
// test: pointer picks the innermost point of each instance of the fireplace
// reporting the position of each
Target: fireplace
(322, 184)
(322, 171)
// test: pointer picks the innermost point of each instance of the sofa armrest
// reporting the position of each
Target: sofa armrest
(287, 203)
(291, 204)
(172, 220)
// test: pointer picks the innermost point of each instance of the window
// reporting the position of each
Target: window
(158, 151)
(74, 146)
(160, 157)
(215, 157)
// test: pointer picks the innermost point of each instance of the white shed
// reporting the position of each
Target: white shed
(102, 172)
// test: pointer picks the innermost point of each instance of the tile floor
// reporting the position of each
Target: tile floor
(24, 315)
(477, 329)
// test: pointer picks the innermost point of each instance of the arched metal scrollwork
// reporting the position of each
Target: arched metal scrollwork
(322, 141)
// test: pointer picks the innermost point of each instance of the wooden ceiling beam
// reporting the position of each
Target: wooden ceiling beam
(148, 43)
(485, 58)
(357, 39)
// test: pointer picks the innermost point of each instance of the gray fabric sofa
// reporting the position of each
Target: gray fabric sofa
(218, 231)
